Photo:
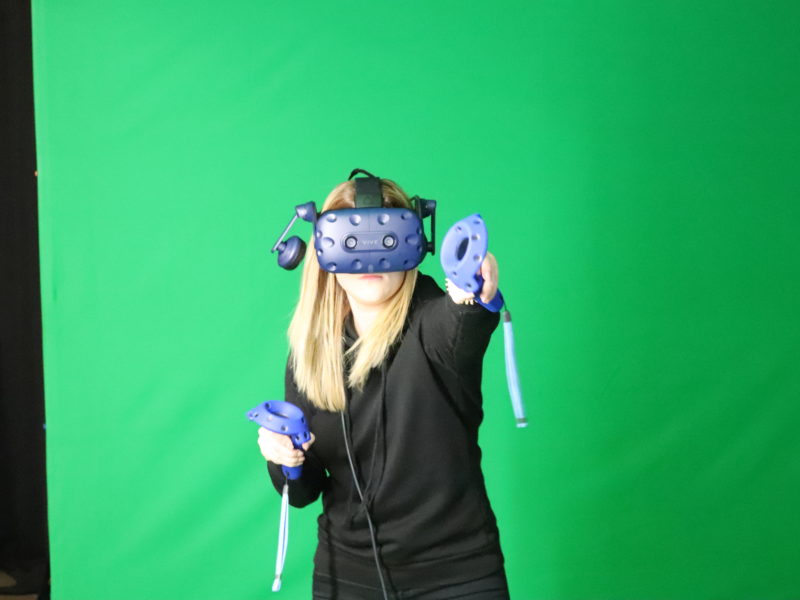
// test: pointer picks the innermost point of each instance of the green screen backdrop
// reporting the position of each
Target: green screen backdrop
(637, 166)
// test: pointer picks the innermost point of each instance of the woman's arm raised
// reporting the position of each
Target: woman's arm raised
(455, 333)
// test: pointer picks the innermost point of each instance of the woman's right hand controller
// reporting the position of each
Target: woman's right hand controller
(278, 448)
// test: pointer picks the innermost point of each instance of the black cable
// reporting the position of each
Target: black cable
(366, 509)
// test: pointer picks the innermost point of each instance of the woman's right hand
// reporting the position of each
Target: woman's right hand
(277, 448)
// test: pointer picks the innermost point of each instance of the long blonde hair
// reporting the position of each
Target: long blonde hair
(316, 330)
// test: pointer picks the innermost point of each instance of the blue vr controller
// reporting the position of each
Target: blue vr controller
(287, 419)
(462, 252)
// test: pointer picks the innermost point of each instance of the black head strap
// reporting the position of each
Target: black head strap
(368, 189)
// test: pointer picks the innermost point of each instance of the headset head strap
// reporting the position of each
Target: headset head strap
(368, 190)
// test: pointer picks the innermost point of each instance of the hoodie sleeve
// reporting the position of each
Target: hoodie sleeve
(307, 488)
(454, 336)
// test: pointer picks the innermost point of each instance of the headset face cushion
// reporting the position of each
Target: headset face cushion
(369, 240)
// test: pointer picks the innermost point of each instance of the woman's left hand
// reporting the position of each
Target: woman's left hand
(489, 273)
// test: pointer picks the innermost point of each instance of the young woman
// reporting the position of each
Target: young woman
(387, 369)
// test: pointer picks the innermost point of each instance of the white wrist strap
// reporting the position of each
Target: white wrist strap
(283, 538)
(512, 375)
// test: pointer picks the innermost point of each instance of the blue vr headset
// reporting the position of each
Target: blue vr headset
(366, 239)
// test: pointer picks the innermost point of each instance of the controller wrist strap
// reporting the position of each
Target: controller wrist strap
(283, 538)
(512, 375)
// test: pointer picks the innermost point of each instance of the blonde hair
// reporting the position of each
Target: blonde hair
(317, 327)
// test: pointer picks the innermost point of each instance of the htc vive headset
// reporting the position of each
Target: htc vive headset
(369, 238)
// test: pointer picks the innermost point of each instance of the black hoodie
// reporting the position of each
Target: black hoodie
(414, 437)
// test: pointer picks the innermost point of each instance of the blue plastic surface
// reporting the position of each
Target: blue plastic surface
(284, 418)
(369, 240)
(463, 250)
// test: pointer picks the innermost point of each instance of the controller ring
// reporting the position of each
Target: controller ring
(463, 250)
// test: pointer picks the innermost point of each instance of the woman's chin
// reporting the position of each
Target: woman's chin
(372, 300)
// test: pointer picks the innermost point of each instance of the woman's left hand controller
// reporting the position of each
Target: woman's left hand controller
(469, 265)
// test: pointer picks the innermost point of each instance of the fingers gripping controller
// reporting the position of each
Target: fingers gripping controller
(284, 418)
(463, 250)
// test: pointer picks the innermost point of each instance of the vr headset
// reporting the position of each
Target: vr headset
(369, 238)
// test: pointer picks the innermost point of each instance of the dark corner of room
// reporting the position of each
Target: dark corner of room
(24, 560)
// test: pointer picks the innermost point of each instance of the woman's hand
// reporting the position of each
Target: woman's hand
(277, 448)
(489, 273)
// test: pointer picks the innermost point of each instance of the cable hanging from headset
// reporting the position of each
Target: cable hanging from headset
(366, 508)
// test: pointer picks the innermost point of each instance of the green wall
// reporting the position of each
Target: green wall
(637, 164)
